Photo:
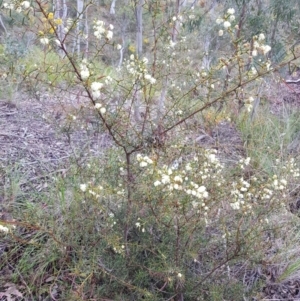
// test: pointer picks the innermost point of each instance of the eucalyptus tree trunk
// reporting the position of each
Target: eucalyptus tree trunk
(176, 25)
(207, 59)
(61, 11)
(122, 51)
(112, 10)
(80, 5)
(86, 33)
(139, 51)
(2, 25)
(274, 30)
(139, 27)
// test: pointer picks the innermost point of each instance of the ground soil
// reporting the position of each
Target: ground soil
(38, 137)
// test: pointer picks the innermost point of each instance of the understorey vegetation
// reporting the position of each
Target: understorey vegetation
(150, 150)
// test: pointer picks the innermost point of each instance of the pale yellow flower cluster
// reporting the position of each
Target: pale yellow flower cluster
(100, 30)
(4, 229)
(91, 189)
(184, 179)
(144, 160)
(95, 87)
(138, 68)
(259, 46)
(249, 103)
(241, 197)
(200, 181)
(226, 20)
(44, 40)
(291, 167)
(16, 6)
(248, 193)
(84, 71)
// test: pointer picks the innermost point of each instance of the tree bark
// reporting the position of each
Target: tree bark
(80, 5)
(139, 27)
(2, 25)
(112, 10)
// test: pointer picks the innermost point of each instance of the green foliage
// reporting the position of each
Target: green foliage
(156, 215)
(44, 69)
(256, 23)
(170, 247)
(15, 48)
(12, 49)
(267, 137)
